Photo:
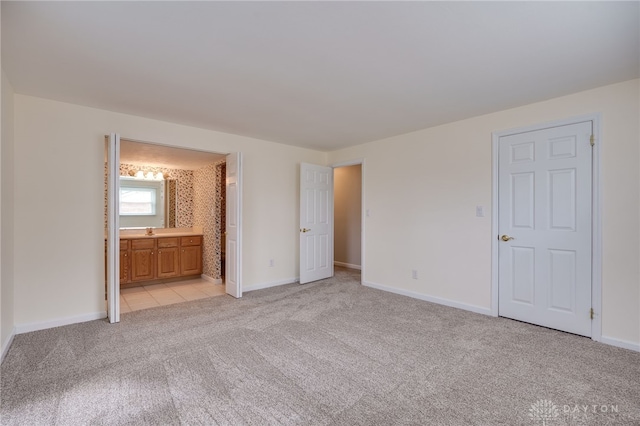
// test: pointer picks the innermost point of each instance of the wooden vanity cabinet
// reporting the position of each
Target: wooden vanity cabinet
(143, 259)
(149, 259)
(168, 261)
(191, 255)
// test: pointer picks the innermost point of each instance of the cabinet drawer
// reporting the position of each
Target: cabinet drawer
(191, 241)
(124, 244)
(143, 244)
(167, 242)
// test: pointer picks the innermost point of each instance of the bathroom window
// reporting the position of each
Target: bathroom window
(137, 201)
(141, 203)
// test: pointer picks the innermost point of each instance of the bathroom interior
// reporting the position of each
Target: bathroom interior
(172, 224)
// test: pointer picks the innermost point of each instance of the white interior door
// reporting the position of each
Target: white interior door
(113, 228)
(544, 221)
(316, 222)
(233, 267)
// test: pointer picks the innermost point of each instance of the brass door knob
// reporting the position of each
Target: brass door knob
(305, 230)
(506, 238)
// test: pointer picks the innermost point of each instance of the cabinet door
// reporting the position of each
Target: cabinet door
(124, 266)
(142, 264)
(191, 260)
(168, 262)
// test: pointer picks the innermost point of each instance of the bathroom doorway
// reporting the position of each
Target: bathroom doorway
(182, 259)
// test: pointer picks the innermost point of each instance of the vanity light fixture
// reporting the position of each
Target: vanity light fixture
(140, 174)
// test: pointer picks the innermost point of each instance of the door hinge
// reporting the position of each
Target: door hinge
(592, 140)
(591, 313)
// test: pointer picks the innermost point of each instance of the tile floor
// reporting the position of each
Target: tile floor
(149, 296)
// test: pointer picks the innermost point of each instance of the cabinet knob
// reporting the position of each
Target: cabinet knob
(158, 252)
(125, 255)
(190, 241)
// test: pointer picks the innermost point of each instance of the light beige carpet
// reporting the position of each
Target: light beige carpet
(327, 353)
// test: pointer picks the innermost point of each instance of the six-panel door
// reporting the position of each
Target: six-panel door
(544, 213)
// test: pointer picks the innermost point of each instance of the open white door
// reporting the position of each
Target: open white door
(113, 228)
(316, 222)
(233, 267)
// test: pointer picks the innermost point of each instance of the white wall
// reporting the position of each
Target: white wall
(59, 246)
(422, 188)
(6, 217)
(347, 195)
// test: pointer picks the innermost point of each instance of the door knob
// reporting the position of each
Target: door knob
(305, 230)
(505, 237)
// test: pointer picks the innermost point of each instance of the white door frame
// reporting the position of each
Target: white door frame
(113, 228)
(113, 236)
(596, 210)
(363, 210)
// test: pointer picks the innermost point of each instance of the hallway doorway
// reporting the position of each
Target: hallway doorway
(348, 216)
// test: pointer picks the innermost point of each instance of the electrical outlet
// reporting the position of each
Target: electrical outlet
(414, 274)
(272, 263)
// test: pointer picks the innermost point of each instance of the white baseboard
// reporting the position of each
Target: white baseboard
(261, 286)
(347, 265)
(620, 343)
(210, 279)
(432, 299)
(35, 326)
(7, 344)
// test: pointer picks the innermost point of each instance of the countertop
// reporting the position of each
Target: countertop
(159, 235)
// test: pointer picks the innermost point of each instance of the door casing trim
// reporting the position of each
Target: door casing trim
(596, 211)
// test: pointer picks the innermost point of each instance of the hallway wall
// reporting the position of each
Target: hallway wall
(347, 196)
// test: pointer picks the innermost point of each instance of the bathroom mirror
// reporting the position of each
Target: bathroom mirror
(147, 203)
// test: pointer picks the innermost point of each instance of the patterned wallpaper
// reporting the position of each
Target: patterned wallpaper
(172, 194)
(207, 213)
(200, 202)
(221, 176)
(183, 216)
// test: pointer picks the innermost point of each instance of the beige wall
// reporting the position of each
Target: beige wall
(59, 248)
(422, 188)
(6, 217)
(347, 209)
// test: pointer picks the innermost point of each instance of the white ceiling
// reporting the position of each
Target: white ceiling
(322, 75)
